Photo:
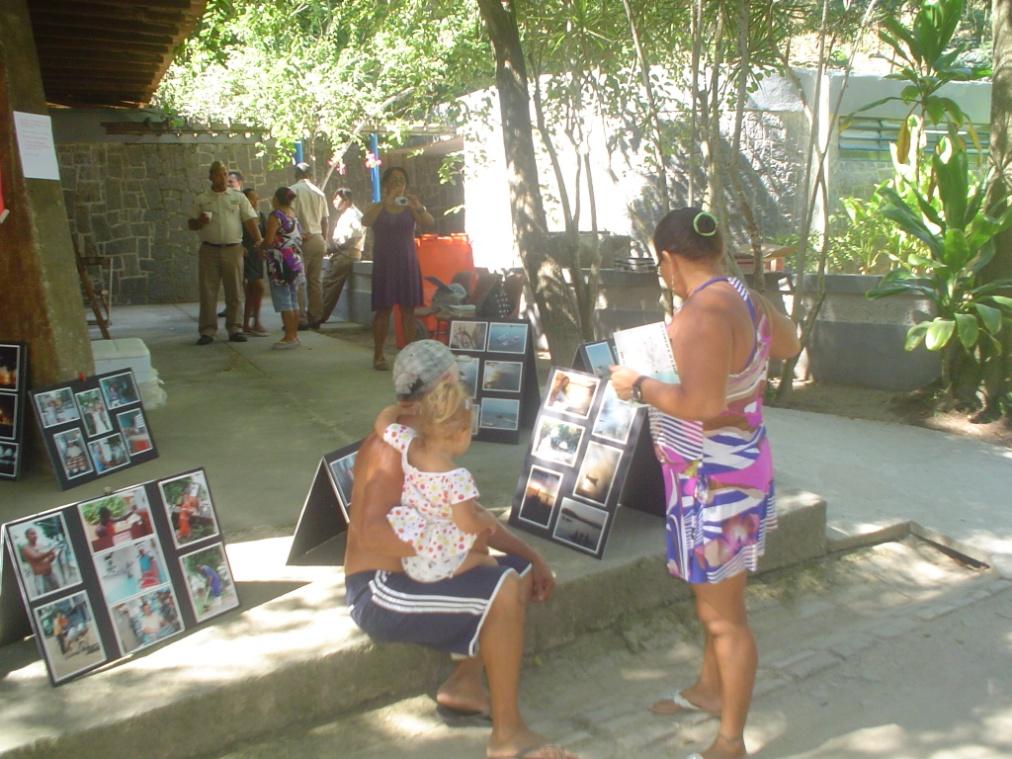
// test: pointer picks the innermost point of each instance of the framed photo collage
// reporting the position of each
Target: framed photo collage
(104, 578)
(94, 426)
(496, 362)
(575, 471)
(13, 383)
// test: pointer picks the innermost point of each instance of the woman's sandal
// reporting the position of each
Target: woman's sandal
(380, 364)
(679, 704)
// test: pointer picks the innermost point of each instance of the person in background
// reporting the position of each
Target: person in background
(283, 241)
(219, 216)
(710, 439)
(253, 272)
(346, 242)
(235, 182)
(396, 278)
(311, 208)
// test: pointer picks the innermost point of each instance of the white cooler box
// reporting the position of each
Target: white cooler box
(130, 353)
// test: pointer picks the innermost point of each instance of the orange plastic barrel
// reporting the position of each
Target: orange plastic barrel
(443, 257)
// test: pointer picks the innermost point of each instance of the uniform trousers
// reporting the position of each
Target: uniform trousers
(217, 267)
(311, 298)
(334, 280)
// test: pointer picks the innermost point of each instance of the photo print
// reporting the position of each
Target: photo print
(119, 390)
(499, 414)
(557, 440)
(600, 357)
(135, 431)
(56, 407)
(504, 337)
(188, 504)
(467, 366)
(8, 415)
(580, 525)
(45, 556)
(615, 417)
(10, 366)
(131, 569)
(209, 582)
(69, 637)
(108, 453)
(146, 619)
(468, 336)
(342, 472)
(571, 393)
(647, 349)
(597, 472)
(93, 414)
(116, 519)
(540, 496)
(73, 454)
(502, 376)
(8, 459)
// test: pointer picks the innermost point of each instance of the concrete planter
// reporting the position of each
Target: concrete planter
(857, 341)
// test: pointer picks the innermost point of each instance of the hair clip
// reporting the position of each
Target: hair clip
(704, 215)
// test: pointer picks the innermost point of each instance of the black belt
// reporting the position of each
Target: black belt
(221, 244)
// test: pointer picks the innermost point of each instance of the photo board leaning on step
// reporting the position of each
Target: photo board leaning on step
(496, 363)
(327, 508)
(94, 426)
(104, 578)
(13, 385)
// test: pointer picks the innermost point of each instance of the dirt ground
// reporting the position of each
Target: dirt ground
(890, 406)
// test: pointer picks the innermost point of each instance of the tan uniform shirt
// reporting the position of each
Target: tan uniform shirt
(310, 206)
(228, 209)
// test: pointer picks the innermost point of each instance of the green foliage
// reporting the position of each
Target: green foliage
(116, 504)
(863, 241)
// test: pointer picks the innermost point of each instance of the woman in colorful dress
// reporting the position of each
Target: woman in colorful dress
(396, 278)
(710, 438)
(283, 242)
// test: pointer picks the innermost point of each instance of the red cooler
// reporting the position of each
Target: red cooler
(443, 257)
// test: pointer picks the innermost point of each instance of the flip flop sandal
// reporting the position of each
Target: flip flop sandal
(683, 704)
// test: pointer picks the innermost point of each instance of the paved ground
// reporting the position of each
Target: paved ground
(893, 651)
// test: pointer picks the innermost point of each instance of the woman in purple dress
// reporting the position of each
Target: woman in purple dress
(396, 278)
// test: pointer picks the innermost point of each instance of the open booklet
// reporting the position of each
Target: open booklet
(647, 349)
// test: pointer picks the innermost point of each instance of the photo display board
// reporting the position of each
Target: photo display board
(583, 446)
(107, 577)
(327, 507)
(496, 362)
(596, 358)
(94, 426)
(13, 383)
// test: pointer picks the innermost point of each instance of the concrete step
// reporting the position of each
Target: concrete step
(293, 654)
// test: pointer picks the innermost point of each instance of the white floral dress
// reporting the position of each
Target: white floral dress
(425, 517)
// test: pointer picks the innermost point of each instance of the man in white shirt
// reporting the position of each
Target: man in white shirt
(346, 243)
(311, 207)
(219, 216)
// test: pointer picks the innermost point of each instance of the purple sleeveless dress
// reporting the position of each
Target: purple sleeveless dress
(396, 278)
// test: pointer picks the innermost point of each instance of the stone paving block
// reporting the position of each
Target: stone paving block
(768, 684)
(849, 643)
(895, 627)
(816, 662)
(934, 611)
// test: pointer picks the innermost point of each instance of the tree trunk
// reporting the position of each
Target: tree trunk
(560, 318)
(999, 385)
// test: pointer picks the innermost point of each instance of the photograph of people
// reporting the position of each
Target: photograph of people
(10, 362)
(500, 414)
(209, 582)
(540, 496)
(556, 440)
(8, 459)
(119, 390)
(504, 337)
(93, 413)
(580, 525)
(187, 499)
(571, 393)
(468, 366)
(108, 453)
(8, 415)
(597, 472)
(69, 638)
(502, 376)
(615, 417)
(56, 407)
(45, 557)
(115, 519)
(128, 570)
(72, 453)
(145, 620)
(135, 431)
(468, 336)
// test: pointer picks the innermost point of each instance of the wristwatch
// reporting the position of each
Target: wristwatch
(637, 388)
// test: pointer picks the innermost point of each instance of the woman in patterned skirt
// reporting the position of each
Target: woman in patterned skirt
(710, 438)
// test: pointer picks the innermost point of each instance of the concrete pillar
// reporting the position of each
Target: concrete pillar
(40, 292)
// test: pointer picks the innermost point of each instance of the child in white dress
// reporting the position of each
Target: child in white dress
(439, 514)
